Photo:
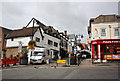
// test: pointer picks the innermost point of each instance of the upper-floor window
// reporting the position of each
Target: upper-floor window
(50, 42)
(117, 32)
(55, 44)
(12, 39)
(103, 32)
(37, 39)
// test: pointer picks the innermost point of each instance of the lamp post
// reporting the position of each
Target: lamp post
(75, 45)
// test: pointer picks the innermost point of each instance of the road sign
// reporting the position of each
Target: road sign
(61, 61)
(20, 46)
(70, 52)
(69, 48)
(69, 55)
(19, 53)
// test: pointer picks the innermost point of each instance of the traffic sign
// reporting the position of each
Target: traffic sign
(61, 61)
(69, 48)
(69, 55)
(70, 52)
(20, 46)
(19, 53)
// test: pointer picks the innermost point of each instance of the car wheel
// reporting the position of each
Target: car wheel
(43, 62)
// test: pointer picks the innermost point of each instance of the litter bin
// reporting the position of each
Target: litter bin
(47, 61)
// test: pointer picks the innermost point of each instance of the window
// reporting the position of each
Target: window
(116, 32)
(50, 42)
(103, 32)
(55, 44)
(0, 39)
(12, 39)
(37, 39)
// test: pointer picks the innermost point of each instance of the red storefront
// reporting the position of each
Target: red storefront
(106, 49)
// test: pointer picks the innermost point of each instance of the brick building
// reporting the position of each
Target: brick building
(3, 33)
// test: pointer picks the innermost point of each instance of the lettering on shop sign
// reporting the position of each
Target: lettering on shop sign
(111, 41)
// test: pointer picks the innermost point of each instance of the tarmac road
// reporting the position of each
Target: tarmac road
(62, 73)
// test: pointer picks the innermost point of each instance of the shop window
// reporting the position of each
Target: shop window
(50, 42)
(103, 32)
(108, 44)
(111, 50)
(117, 32)
(37, 39)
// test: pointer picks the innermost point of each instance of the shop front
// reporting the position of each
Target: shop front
(105, 50)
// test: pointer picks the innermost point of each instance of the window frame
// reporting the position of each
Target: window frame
(118, 33)
(55, 44)
(103, 34)
(37, 39)
(50, 42)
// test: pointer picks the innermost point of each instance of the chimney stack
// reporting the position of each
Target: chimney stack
(65, 32)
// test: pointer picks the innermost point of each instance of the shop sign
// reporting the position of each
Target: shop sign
(111, 42)
(115, 56)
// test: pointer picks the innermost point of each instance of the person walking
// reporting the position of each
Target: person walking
(79, 58)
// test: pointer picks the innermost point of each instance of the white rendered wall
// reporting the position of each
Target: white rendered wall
(15, 41)
(97, 34)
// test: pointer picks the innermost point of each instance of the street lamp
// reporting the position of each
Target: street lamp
(75, 44)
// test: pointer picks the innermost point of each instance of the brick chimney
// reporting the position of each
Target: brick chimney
(65, 32)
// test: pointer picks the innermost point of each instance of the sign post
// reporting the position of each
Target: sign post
(19, 50)
(69, 50)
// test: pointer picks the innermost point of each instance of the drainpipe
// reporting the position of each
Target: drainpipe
(110, 31)
(33, 29)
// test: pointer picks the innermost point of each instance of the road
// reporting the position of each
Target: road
(62, 73)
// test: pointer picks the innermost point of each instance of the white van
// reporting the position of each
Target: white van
(39, 55)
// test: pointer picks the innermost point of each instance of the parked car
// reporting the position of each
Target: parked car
(85, 55)
(40, 55)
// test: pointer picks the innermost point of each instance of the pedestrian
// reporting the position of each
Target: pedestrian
(79, 58)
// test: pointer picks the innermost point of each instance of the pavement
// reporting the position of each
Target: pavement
(84, 63)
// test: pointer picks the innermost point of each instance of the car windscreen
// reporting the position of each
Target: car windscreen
(38, 53)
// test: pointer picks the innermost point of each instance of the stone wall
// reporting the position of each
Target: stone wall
(12, 51)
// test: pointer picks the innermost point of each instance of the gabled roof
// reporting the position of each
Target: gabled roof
(6, 31)
(22, 32)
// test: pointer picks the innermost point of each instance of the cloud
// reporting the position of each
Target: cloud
(71, 16)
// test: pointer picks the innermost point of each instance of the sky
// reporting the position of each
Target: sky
(71, 16)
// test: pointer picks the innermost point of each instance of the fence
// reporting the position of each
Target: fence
(8, 61)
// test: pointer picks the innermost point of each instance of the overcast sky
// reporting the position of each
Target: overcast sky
(71, 16)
